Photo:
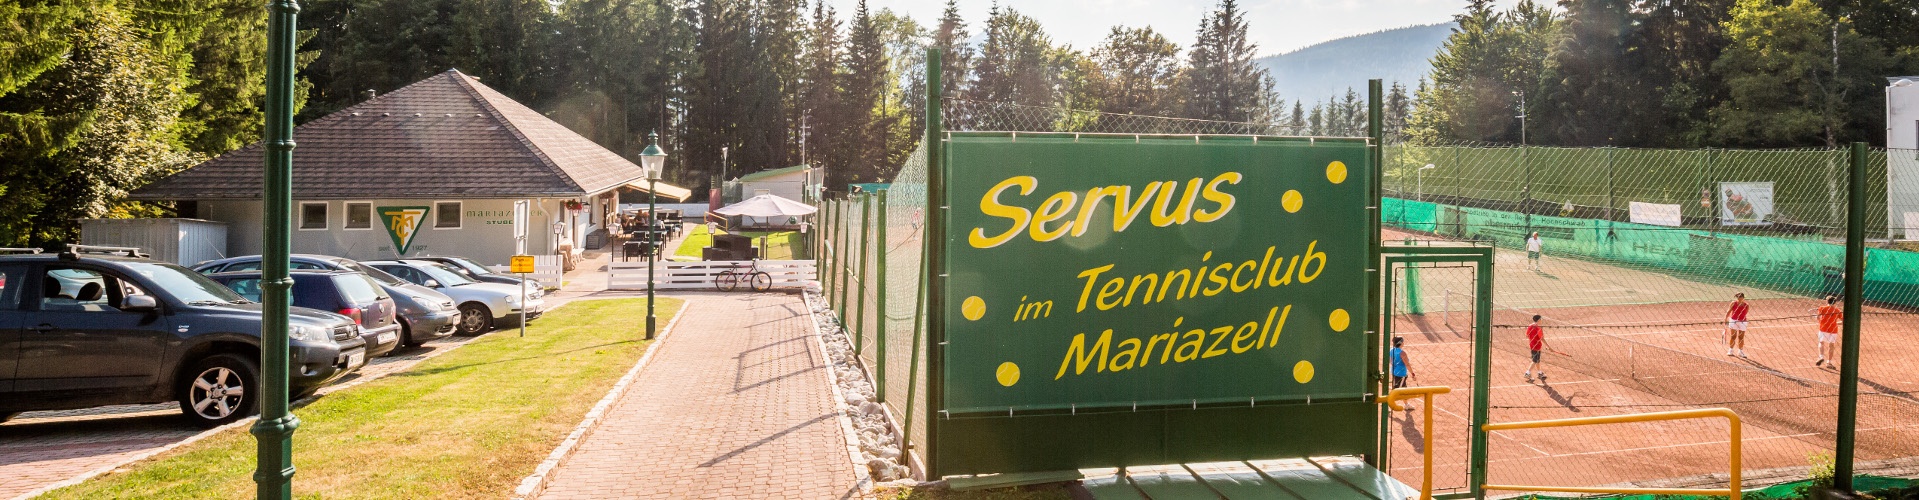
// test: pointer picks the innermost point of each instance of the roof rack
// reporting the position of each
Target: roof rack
(4, 251)
(74, 251)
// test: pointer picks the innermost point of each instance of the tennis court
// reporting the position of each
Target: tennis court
(1638, 340)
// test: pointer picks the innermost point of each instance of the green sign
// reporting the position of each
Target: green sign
(1113, 272)
(402, 224)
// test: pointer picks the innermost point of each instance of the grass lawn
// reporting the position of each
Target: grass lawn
(782, 245)
(467, 424)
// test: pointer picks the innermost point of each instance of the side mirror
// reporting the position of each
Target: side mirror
(139, 303)
(431, 284)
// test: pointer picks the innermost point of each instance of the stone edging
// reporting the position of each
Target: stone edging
(535, 483)
(861, 476)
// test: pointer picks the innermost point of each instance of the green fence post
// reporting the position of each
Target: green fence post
(273, 476)
(879, 303)
(1855, 300)
(859, 274)
(824, 260)
(840, 267)
(1610, 193)
(934, 264)
(1482, 371)
(1375, 109)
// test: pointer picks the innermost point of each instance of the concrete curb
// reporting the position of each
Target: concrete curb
(861, 476)
(534, 484)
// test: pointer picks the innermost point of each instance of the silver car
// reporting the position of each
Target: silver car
(483, 306)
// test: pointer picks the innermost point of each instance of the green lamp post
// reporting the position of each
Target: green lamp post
(652, 163)
(274, 431)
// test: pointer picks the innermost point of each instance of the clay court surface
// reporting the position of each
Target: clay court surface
(1641, 341)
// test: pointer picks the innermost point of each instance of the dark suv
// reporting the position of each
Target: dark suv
(79, 330)
(349, 293)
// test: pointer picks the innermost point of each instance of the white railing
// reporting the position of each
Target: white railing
(699, 275)
(547, 268)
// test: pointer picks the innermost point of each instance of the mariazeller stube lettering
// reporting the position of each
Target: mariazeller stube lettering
(1050, 222)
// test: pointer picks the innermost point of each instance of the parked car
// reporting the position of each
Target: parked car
(483, 306)
(424, 314)
(349, 293)
(82, 329)
(479, 272)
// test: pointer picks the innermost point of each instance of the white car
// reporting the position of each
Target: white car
(483, 306)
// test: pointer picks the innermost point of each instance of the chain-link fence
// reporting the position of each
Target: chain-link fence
(1639, 256)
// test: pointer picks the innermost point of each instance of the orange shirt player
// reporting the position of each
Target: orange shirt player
(1829, 318)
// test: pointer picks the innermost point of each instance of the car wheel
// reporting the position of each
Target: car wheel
(475, 319)
(406, 335)
(220, 389)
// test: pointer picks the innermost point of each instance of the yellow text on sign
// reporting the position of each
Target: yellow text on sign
(521, 264)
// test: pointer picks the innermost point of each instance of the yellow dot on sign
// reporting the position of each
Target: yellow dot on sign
(1008, 374)
(1336, 172)
(1303, 372)
(1291, 200)
(973, 308)
(1339, 320)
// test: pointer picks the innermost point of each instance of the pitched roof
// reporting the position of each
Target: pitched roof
(445, 136)
(763, 174)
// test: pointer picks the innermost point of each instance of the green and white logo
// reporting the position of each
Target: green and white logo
(402, 223)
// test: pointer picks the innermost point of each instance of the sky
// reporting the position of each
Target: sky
(1278, 26)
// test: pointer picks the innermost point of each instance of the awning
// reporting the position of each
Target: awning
(766, 205)
(666, 190)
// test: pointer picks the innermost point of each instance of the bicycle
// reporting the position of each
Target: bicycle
(757, 280)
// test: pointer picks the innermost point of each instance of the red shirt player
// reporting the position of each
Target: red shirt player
(1736, 325)
(1536, 341)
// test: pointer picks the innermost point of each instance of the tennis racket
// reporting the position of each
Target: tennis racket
(1556, 351)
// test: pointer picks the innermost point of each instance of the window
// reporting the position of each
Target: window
(84, 290)
(11, 279)
(313, 215)
(447, 215)
(359, 215)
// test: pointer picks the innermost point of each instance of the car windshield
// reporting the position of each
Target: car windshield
(469, 265)
(188, 286)
(380, 276)
(443, 274)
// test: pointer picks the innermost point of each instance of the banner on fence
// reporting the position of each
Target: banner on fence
(1745, 203)
(1657, 214)
(1122, 272)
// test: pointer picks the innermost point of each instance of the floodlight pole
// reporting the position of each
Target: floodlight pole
(273, 476)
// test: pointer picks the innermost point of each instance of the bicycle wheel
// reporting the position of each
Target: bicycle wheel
(726, 281)
(762, 281)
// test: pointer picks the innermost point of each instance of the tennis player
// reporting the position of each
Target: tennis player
(1736, 325)
(1536, 340)
(1829, 317)
(1402, 368)
(1532, 251)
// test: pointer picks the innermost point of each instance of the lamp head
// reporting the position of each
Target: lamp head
(653, 159)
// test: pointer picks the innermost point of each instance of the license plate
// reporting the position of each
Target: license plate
(388, 337)
(354, 360)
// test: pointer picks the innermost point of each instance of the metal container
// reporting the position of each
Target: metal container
(180, 241)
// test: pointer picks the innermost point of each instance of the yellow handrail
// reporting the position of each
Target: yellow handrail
(1392, 399)
(1732, 489)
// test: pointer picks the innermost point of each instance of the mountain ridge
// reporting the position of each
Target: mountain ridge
(1328, 68)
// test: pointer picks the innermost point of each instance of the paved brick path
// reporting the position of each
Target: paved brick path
(735, 404)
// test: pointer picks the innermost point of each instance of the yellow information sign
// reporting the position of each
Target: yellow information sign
(521, 264)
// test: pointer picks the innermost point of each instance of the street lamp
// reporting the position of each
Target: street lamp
(652, 163)
(1421, 175)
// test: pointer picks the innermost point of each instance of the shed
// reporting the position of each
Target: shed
(180, 241)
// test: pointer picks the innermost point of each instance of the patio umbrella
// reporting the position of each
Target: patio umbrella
(766, 205)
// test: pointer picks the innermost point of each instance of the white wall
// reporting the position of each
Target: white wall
(1902, 162)
(485, 232)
